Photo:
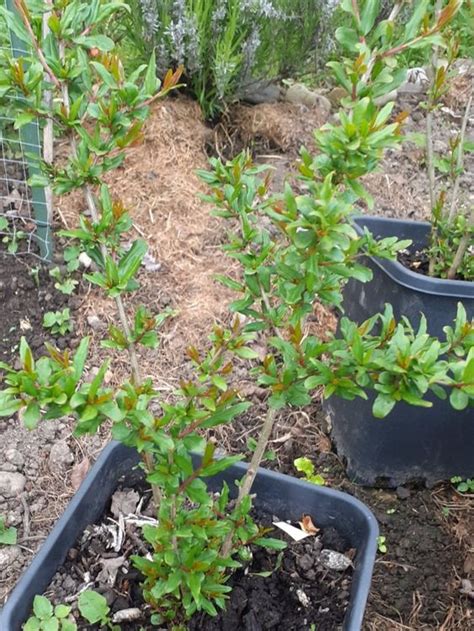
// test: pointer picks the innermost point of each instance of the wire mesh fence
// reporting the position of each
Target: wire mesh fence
(25, 215)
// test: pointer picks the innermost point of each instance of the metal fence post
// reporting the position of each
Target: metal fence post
(30, 138)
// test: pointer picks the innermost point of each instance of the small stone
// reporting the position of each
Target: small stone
(11, 483)
(85, 260)
(301, 95)
(60, 456)
(333, 560)
(403, 493)
(15, 457)
(440, 146)
(8, 554)
(124, 502)
(336, 95)
(303, 598)
(8, 466)
(305, 562)
(94, 322)
(262, 92)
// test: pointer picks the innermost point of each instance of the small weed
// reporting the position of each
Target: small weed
(382, 544)
(269, 455)
(58, 321)
(64, 285)
(93, 607)
(305, 466)
(8, 536)
(463, 486)
(390, 511)
(46, 617)
(34, 273)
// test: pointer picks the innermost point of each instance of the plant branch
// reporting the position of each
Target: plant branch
(249, 477)
(462, 247)
(91, 204)
(429, 141)
(460, 159)
(42, 59)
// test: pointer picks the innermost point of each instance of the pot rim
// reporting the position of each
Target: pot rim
(462, 289)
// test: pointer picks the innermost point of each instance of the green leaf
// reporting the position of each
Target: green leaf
(269, 542)
(8, 536)
(8, 405)
(62, 611)
(382, 406)
(347, 37)
(32, 624)
(93, 606)
(194, 583)
(102, 42)
(458, 399)
(42, 608)
(52, 624)
(151, 83)
(31, 415)
(23, 119)
(369, 12)
(80, 358)
(130, 262)
(246, 353)
(106, 76)
(304, 465)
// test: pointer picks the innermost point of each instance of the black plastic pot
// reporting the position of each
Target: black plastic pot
(429, 444)
(281, 494)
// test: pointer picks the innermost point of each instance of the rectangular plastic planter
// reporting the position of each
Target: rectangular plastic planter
(282, 495)
(428, 444)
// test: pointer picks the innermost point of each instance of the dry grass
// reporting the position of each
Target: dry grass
(159, 186)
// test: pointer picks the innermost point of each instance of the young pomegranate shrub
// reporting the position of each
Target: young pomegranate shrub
(293, 249)
(374, 73)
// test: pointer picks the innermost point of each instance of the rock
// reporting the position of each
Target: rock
(60, 456)
(8, 554)
(15, 457)
(403, 493)
(94, 322)
(336, 95)
(85, 260)
(440, 146)
(386, 98)
(305, 562)
(124, 502)
(262, 92)
(301, 95)
(11, 483)
(8, 466)
(333, 560)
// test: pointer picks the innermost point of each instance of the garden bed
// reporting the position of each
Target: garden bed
(417, 583)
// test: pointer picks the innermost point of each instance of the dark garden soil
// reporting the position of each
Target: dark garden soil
(27, 292)
(418, 261)
(298, 591)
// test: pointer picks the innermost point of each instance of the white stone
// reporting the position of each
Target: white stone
(11, 483)
(85, 260)
(60, 456)
(8, 554)
(15, 457)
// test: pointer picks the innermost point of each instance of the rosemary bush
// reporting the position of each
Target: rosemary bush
(226, 46)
